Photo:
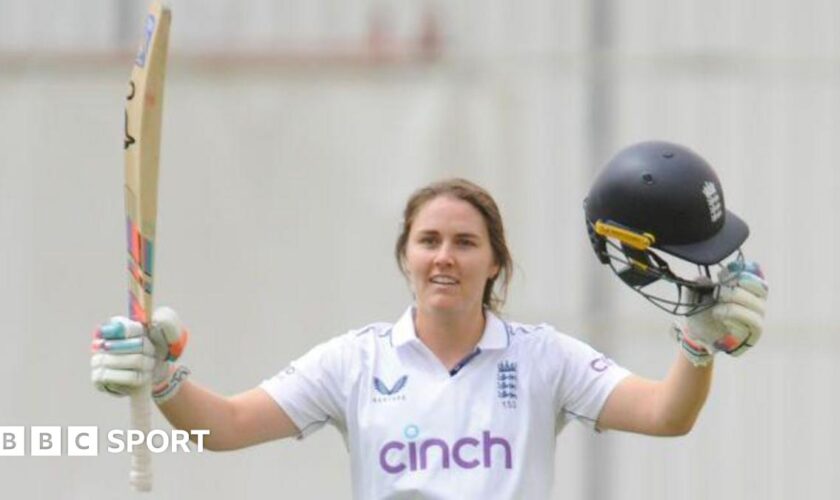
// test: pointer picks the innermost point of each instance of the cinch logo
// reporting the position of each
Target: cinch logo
(467, 452)
(601, 363)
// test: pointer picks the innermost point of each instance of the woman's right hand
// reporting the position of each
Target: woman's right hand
(125, 357)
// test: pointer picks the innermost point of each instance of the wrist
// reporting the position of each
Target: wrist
(166, 388)
(694, 351)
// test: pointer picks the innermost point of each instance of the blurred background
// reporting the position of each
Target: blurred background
(294, 131)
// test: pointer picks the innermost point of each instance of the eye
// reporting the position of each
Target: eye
(427, 240)
(466, 242)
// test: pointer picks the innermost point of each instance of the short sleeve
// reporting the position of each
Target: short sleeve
(312, 389)
(582, 380)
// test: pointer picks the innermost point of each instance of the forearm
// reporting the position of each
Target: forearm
(246, 419)
(194, 407)
(682, 395)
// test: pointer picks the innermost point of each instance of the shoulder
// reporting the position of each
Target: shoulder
(544, 339)
(346, 351)
(368, 334)
(359, 339)
(559, 357)
(535, 335)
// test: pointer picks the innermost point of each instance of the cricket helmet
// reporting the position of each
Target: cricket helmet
(662, 197)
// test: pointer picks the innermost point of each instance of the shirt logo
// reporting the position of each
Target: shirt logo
(506, 379)
(413, 454)
(600, 364)
(389, 393)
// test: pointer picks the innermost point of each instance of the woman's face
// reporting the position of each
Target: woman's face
(448, 256)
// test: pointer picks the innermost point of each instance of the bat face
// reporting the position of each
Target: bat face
(143, 111)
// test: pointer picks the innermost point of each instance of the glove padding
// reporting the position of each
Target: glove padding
(125, 358)
(734, 324)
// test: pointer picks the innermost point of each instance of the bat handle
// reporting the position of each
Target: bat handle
(141, 458)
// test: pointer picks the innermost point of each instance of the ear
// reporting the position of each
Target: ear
(495, 269)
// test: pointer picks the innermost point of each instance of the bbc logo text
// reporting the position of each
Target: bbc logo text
(83, 441)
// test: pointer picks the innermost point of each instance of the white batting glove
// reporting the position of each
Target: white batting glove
(734, 324)
(125, 358)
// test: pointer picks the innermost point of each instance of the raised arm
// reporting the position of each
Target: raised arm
(124, 357)
(246, 419)
(660, 408)
(670, 407)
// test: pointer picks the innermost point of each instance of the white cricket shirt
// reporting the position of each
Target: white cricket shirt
(487, 429)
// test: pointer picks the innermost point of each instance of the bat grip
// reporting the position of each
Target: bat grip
(141, 458)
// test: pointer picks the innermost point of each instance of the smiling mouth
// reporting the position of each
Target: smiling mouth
(443, 280)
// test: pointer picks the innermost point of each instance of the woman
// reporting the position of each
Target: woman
(451, 401)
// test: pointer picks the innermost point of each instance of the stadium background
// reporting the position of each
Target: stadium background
(294, 131)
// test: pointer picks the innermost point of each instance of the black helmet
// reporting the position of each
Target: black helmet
(662, 196)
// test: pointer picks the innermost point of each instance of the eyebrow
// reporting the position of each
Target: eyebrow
(435, 232)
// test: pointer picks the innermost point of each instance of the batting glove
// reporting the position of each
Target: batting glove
(125, 358)
(734, 324)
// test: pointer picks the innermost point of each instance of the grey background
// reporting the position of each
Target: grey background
(289, 148)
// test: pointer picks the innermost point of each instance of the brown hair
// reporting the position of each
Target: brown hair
(479, 198)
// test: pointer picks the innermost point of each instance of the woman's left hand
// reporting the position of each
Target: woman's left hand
(735, 323)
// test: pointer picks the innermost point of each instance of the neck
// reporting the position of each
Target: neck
(451, 337)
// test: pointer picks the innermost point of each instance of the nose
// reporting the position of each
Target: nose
(443, 256)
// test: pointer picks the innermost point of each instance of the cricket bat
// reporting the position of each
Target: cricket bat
(143, 111)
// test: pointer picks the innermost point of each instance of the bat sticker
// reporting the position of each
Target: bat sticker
(144, 48)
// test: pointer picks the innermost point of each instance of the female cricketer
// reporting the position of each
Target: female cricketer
(451, 400)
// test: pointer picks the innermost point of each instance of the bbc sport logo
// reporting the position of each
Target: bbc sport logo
(83, 441)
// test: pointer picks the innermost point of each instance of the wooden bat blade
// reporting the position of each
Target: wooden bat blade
(143, 113)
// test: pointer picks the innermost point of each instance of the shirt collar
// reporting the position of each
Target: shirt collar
(495, 334)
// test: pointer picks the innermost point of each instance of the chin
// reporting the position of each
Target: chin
(444, 306)
(441, 307)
